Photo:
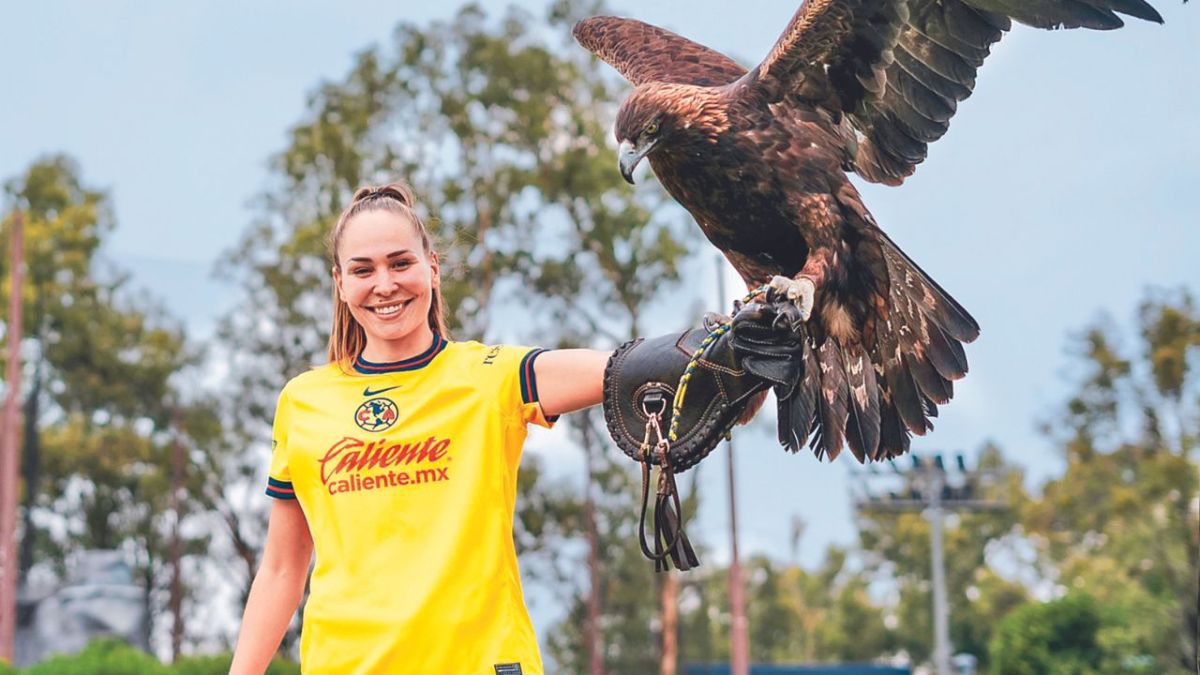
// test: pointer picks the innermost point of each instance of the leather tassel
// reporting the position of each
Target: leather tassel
(668, 529)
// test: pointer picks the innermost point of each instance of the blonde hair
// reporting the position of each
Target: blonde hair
(347, 338)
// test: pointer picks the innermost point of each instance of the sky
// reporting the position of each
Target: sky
(1065, 188)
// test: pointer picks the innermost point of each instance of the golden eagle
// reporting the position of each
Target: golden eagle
(760, 159)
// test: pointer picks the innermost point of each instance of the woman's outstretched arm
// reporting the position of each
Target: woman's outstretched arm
(570, 379)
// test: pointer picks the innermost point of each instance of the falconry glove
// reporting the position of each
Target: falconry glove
(696, 384)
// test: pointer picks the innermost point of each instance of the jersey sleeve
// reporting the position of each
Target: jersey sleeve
(279, 477)
(529, 408)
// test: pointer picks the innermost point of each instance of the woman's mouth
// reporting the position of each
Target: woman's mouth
(389, 309)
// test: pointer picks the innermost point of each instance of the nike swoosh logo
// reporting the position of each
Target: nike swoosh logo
(368, 392)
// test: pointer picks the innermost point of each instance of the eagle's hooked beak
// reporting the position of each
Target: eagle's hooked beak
(628, 156)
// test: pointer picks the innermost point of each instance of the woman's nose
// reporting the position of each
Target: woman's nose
(386, 283)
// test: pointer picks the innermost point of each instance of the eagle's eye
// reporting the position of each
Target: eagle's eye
(651, 128)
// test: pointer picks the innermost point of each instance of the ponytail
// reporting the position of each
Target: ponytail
(347, 339)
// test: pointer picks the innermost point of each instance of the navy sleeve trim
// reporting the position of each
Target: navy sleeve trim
(280, 489)
(528, 380)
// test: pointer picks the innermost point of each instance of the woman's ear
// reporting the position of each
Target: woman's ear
(433, 265)
(337, 283)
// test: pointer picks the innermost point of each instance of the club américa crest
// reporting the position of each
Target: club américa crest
(378, 414)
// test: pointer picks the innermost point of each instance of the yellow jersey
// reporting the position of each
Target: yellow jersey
(407, 475)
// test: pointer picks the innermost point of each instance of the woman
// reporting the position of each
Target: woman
(397, 462)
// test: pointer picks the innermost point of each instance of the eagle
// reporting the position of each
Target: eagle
(761, 160)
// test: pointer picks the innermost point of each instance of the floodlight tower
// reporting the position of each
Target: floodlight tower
(929, 487)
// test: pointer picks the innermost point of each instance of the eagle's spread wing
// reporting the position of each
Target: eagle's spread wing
(831, 49)
(898, 68)
(645, 53)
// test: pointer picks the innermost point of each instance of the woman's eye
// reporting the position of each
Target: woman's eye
(361, 271)
(400, 264)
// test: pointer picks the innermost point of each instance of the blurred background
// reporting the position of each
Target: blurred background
(177, 168)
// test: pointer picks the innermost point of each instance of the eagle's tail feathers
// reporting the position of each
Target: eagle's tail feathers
(928, 379)
(833, 402)
(946, 353)
(906, 397)
(862, 427)
(797, 413)
(931, 409)
(893, 436)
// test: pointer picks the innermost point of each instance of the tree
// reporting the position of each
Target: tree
(64, 226)
(1121, 522)
(1054, 638)
(99, 361)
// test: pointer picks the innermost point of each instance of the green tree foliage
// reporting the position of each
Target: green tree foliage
(110, 657)
(1122, 523)
(99, 402)
(1055, 638)
(63, 226)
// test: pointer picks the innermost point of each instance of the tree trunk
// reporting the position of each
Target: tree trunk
(595, 640)
(176, 601)
(31, 469)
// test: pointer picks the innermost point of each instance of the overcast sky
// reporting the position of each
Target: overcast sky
(1066, 186)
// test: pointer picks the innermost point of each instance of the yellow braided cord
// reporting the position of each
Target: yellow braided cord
(677, 405)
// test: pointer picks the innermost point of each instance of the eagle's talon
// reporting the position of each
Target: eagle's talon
(801, 292)
(712, 321)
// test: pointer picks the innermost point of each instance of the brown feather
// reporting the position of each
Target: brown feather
(833, 399)
(893, 436)
(862, 424)
(928, 379)
(645, 53)
(797, 413)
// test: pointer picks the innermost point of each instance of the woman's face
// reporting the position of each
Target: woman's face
(387, 279)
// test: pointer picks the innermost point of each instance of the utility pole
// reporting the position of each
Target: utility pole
(9, 439)
(929, 488)
(941, 610)
(739, 646)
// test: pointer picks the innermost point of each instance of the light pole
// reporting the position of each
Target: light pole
(941, 610)
(931, 489)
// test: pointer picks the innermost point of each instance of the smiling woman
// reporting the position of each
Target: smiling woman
(396, 462)
(386, 279)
